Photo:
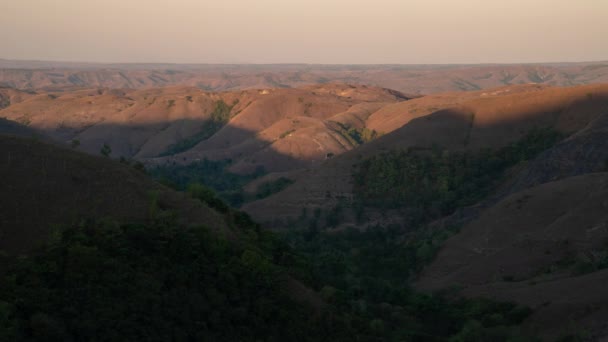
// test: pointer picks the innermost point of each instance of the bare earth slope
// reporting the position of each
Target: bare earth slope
(532, 248)
(44, 186)
(418, 79)
(482, 119)
(279, 129)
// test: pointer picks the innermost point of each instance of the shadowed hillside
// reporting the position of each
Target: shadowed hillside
(544, 247)
(87, 242)
(180, 125)
(488, 121)
(536, 236)
(367, 219)
(92, 248)
(45, 186)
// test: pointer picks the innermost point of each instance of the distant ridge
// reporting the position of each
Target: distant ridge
(414, 79)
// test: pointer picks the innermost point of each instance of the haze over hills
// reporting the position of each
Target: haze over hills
(304, 170)
(412, 79)
(367, 182)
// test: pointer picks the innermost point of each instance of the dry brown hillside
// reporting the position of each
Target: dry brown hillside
(279, 129)
(9, 96)
(418, 79)
(45, 186)
(484, 119)
(537, 247)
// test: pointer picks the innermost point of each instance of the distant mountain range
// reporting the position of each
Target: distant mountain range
(414, 79)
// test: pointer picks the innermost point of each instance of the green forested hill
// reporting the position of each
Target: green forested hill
(160, 266)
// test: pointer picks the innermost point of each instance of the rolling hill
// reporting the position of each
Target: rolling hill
(538, 238)
(278, 129)
(496, 193)
(46, 185)
(544, 247)
(93, 248)
(72, 225)
(487, 119)
(414, 79)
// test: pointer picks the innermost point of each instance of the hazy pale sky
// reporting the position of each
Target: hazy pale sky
(307, 31)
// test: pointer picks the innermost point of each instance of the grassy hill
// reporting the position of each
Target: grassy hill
(279, 129)
(94, 249)
(490, 202)
(483, 120)
(534, 247)
(45, 185)
(533, 229)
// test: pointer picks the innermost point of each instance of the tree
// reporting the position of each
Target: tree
(106, 150)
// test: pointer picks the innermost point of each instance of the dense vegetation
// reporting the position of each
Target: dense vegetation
(161, 281)
(156, 282)
(362, 135)
(430, 183)
(213, 174)
(357, 136)
(219, 117)
(268, 188)
(366, 274)
(363, 268)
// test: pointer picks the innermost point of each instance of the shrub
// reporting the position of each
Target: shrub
(271, 187)
(106, 150)
(218, 119)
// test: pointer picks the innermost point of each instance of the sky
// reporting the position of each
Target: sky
(305, 31)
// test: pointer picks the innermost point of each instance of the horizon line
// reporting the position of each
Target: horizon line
(51, 61)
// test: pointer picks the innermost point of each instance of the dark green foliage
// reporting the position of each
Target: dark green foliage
(206, 195)
(357, 136)
(362, 135)
(158, 282)
(161, 281)
(335, 215)
(213, 174)
(367, 274)
(371, 256)
(218, 119)
(137, 165)
(272, 187)
(106, 150)
(592, 261)
(429, 183)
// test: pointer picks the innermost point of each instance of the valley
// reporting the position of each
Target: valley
(422, 213)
